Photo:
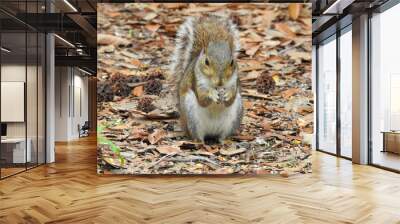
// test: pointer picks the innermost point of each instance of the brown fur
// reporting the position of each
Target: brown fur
(209, 29)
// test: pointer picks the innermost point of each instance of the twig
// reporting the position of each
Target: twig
(161, 159)
(213, 164)
(132, 85)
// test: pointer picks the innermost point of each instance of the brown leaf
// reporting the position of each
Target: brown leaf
(224, 170)
(289, 92)
(284, 28)
(247, 104)
(243, 138)
(266, 125)
(306, 120)
(168, 149)
(199, 9)
(231, 152)
(150, 16)
(284, 173)
(267, 17)
(159, 114)
(138, 133)
(298, 56)
(262, 172)
(211, 149)
(138, 91)
(106, 39)
(294, 10)
(152, 27)
(251, 76)
(254, 93)
(156, 136)
(253, 37)
(136, 63)
(252, 50)
(120, 127)
(174, 5)
(115, 162)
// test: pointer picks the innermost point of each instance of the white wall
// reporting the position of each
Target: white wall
(70, 83)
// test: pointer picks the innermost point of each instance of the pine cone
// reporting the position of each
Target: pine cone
(153, 87)
(104, 91)
(145, 104)
(155, 74)
(265, 84)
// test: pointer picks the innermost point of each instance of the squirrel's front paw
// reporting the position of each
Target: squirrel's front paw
(227, 96)
(214, 95)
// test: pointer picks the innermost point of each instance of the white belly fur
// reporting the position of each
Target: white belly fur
(206, 123)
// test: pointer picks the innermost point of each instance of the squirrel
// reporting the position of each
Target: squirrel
(204, 61)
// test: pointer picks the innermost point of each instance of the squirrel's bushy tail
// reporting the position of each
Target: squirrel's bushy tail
(185, 38)
(183, 47)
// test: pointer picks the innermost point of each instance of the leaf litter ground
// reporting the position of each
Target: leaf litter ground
(138, 128)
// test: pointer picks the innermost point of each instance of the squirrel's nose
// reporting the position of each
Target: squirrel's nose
(220, 83)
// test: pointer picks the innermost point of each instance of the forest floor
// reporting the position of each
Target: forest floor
(138, 127)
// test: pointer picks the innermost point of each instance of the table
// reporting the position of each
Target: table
(391, 141)
(16, 147)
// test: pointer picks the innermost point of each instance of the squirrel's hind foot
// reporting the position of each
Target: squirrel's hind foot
(212, 139)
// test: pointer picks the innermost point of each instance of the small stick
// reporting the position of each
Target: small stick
(195, 158)
(161, 159)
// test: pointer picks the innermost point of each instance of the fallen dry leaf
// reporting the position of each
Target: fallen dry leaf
(252, 50)
(152, 27)
(168, 149)
(136, 63)
(156, 136)
(243, 137)
(247, 104)
(284, 173)
(150, 16)
(223, 170)
(106, 39)
(289, 92)
(298, 56)
(138, 91)
(266, 125)
(115, 162)
(251, 76)
(231, 152)
(174, 5)
(284, 28)
(294, 10)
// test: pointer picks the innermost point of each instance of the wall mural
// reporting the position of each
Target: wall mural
(204, 88)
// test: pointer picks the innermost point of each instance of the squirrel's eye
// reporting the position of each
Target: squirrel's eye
(207, 62)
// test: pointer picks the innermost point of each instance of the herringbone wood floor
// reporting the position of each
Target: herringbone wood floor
(70, 191)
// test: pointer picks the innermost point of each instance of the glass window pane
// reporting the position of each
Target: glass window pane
(41, 98)
(31, 97)
(346, 94)
(13, 86)
(327, 97)
(385, 89)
